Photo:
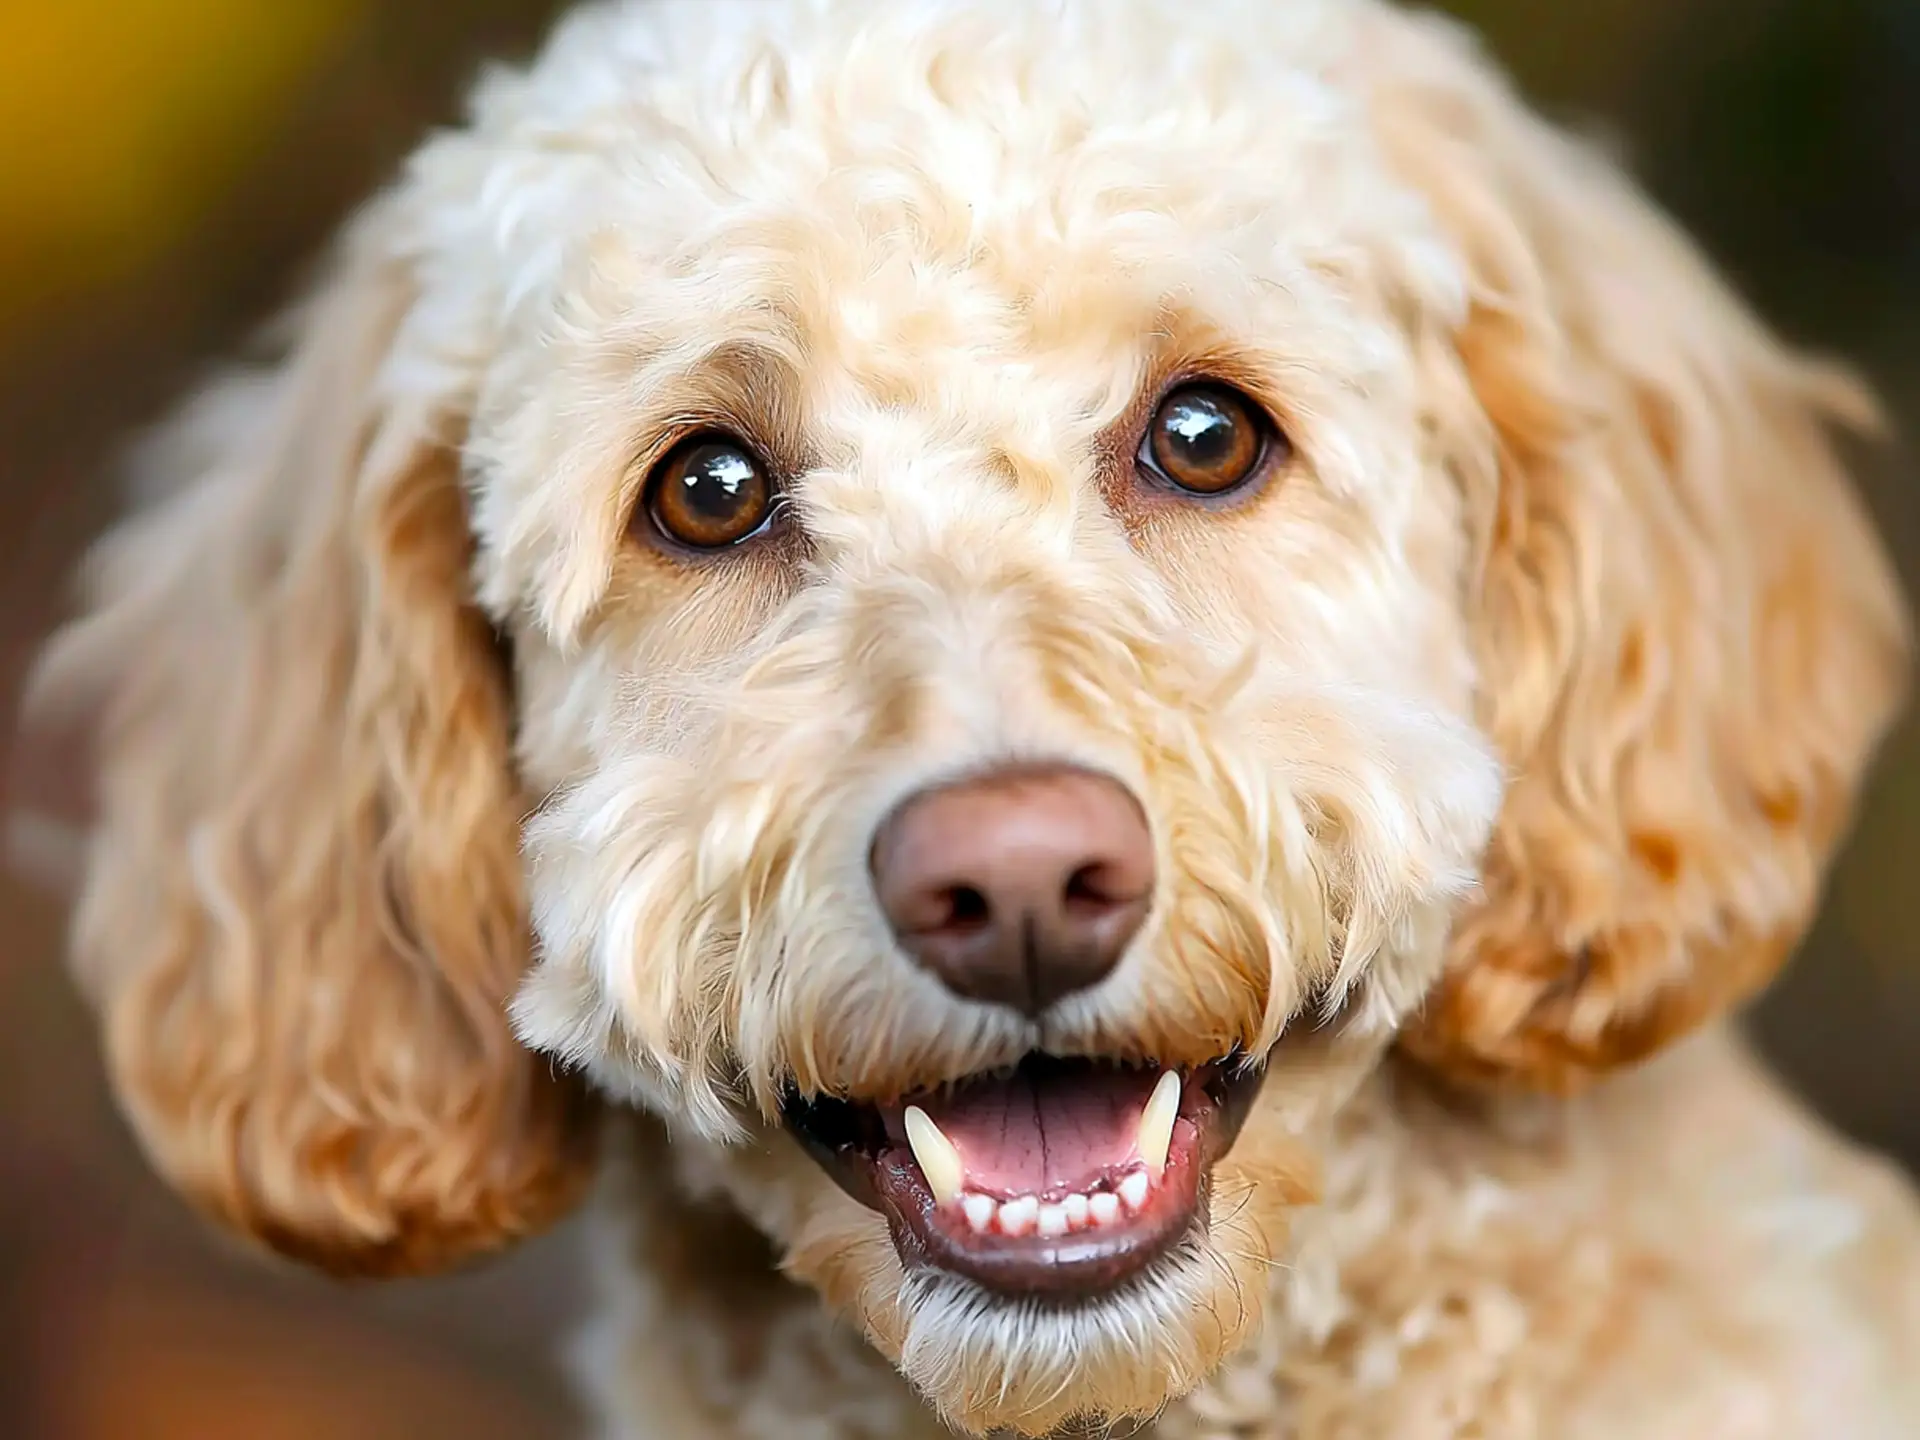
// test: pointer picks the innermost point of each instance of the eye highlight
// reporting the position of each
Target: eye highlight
(1208, 439)
(711, 492)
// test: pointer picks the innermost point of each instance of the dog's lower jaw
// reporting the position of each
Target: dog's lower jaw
(1012, 1365)
(989, 1364)
(730, 1229)
(1028, 1365)
(704, 1334)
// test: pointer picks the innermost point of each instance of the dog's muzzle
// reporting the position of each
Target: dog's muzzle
(1061, 1175)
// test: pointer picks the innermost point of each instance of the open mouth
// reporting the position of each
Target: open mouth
(1060, 1177)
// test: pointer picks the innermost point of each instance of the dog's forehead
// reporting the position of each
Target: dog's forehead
(976, 226)
(947, 173)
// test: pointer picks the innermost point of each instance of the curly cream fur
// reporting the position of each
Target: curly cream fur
(1500, 740)
(303, 911)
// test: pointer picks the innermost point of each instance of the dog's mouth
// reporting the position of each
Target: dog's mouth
(1059, 1177)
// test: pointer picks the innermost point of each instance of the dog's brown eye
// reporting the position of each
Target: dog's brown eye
(1207, 439)
(711, 492)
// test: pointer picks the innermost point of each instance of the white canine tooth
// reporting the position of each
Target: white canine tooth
(1133, 1189)
(1053, 1221)
(1077, 1207)
(1018, 1216)
(980, 1211)
(1156, 1124)
(939, 1161)
(1104, 1208)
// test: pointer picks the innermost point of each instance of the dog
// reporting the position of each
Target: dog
(1099, 704)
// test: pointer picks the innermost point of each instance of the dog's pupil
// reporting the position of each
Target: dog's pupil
(1205, 441)
(720, 482)
(1202, 431)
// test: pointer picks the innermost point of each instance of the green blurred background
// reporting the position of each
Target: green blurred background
(167, 169)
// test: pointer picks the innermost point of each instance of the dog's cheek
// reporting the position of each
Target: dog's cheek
(1271, 1172)
(824, 1239)
(844, 1253)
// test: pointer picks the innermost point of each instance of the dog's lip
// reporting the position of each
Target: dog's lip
(851, 1140)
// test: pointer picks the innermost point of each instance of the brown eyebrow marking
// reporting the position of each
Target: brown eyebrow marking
(742, 388)
(1191, 350)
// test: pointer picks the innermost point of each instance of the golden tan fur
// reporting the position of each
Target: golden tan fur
(1687, 636)
(1500, 741)
(304, 912)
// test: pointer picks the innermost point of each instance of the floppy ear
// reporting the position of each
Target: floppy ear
(1688, 639)
(302, 912)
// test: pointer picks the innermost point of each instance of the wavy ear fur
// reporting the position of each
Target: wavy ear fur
(302, 914)
(1689, 639)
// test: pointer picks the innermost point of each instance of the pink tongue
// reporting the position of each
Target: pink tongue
(1044, 1129)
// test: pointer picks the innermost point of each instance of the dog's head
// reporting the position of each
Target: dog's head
(1009, 594)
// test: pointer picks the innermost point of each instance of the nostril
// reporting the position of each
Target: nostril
(1093, 889)
(967, 909)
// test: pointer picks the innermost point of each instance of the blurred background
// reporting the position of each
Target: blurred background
(167, 169)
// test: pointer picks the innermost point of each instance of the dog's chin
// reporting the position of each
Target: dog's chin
(1067, 1240)
(989, 1362)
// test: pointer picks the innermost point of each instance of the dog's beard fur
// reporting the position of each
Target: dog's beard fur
(987, 1362)
(990, 1359)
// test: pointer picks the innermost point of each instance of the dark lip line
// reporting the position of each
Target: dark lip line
(1059, 1272)
(867, 1164)
(1232, 1087)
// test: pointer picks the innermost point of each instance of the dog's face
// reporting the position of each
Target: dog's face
(992, 639)
(1029, 539)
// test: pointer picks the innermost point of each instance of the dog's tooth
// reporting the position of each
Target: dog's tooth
(980, 1211)
(1078, 1207)
(939, 1161)
(1156, 1124)
(1134, 1188)
(1104, 1208)
(1053, 1221)
(1018, 1216)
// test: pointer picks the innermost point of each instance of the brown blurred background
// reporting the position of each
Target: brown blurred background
(167, 168)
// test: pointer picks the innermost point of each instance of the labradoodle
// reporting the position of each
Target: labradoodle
(1099, 702)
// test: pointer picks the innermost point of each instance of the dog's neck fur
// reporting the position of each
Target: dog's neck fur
(1498, 1260)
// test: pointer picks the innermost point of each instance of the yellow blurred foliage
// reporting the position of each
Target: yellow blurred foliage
(122, 120)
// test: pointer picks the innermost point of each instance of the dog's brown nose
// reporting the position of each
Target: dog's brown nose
(1019, 886)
